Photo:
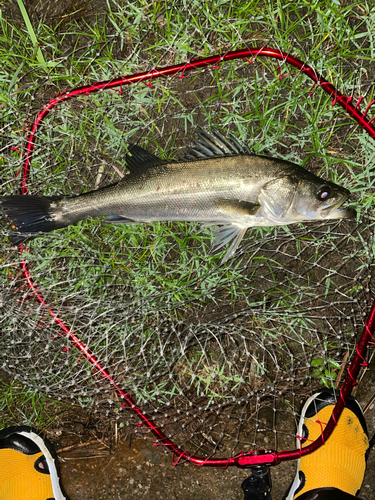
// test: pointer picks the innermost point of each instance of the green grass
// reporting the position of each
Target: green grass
(25, 406)
(121, 287)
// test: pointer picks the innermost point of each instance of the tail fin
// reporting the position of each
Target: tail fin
(30, 214)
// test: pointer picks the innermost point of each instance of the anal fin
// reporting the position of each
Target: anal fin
(118, 219)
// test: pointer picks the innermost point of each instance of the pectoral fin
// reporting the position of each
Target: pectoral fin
(236, 207)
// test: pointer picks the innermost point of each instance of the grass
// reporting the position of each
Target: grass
(25, 406)
(152, 301)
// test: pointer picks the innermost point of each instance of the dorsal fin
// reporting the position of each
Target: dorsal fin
(214, 144)
(140, 159)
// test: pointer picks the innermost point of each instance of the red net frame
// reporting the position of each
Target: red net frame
(243, 459)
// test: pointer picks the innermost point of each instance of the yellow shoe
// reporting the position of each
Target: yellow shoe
(340, 462)
(27, 466)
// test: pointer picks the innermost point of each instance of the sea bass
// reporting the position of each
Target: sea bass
(218, 182)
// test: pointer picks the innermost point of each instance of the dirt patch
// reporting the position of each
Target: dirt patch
(142, 471)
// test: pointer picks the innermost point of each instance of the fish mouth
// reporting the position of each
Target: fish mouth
(336, 211)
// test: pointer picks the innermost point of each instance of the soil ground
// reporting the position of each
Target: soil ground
(145, 472)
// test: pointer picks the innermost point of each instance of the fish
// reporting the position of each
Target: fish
(219, 182)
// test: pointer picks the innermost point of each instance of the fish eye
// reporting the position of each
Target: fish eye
(324, 192)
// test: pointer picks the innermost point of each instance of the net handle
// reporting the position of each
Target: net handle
(244, 459)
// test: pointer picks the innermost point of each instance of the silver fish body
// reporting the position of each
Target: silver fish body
(217, 183)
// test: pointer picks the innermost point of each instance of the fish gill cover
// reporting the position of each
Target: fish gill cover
(219, 355)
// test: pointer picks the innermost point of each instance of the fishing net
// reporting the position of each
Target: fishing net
(219, 356)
